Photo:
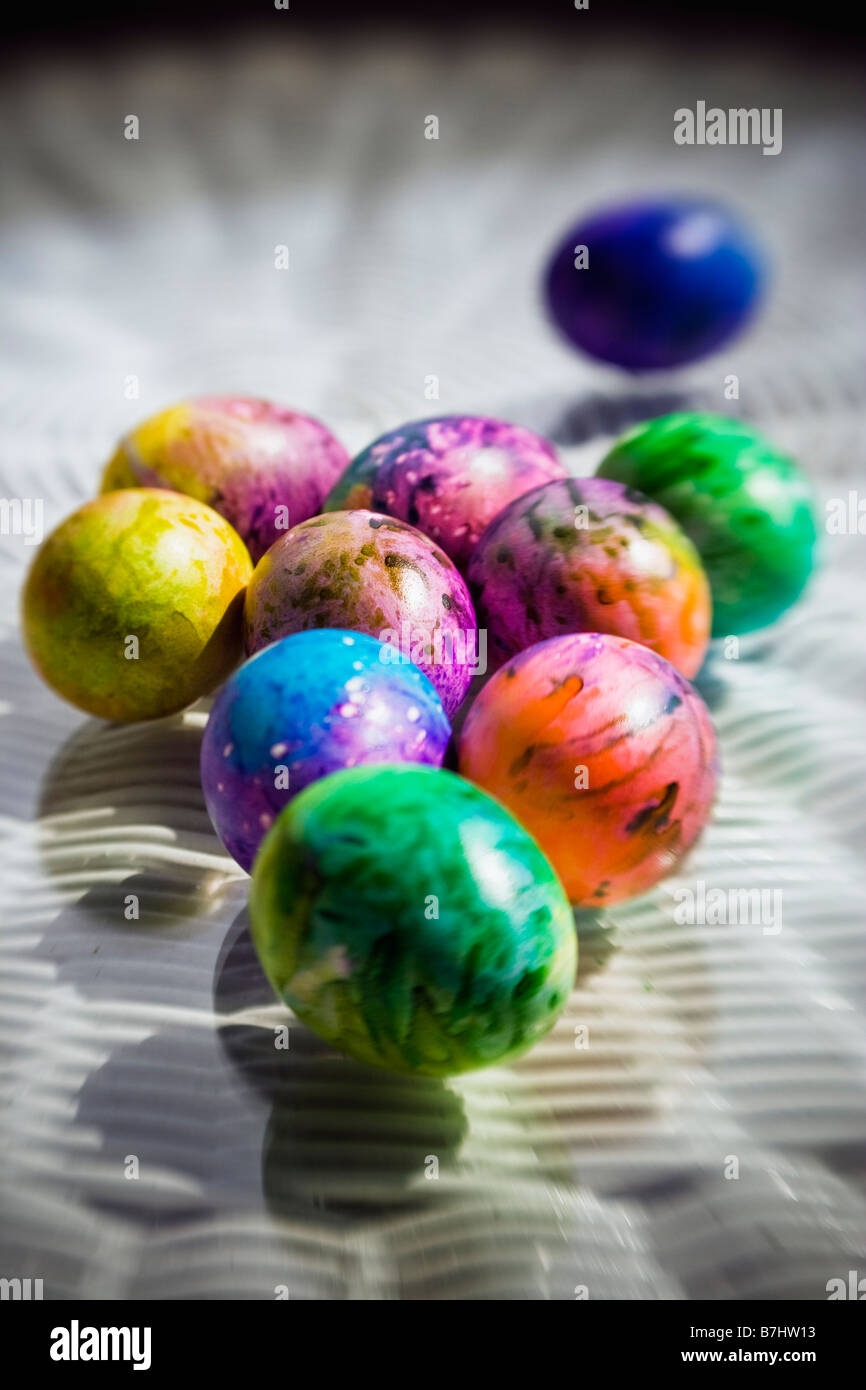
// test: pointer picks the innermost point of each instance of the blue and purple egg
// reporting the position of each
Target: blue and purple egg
(311, 704)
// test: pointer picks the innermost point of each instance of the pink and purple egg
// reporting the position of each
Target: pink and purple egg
(449, 476)
(261, 466)
(590, 555)
(369, 573)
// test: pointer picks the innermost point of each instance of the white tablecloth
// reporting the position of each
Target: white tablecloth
(257, 1169)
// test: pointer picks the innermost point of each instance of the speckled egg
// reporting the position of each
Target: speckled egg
(370, 573)
(306, 706)
(746, 506)
(261, 466)
(653, 284)
(448, 476)
(587, 555)
(409, 920)
(132, 607)
(604, 752)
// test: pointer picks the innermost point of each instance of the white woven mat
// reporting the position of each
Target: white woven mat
(602, 1167)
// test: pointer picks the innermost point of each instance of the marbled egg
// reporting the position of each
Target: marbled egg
(373, 574)
(409, 920)
(746, 506)
(306, 706)
(261, 466)
(653, 284)
(132, 607)
(587, 555)
(604, 752)
(448, 476)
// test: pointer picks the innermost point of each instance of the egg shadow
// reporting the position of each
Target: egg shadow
(239, 983)
(353, 1140)
(121, 802)
(441, 1184)
(752, 648)
(159, 957)
(341, 1137)
(168, 1102)
(599, 415)
(596, 943)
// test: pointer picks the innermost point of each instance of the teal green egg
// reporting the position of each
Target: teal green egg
(746, 506)
(407, 918)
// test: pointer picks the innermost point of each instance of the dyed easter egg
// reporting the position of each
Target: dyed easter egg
(587, 555)
(746, 506)
(448, 476)
(132, 607)
(262, 467)
(408, 919)
(649, 285)
(306, 706)
(373, 574)
(604, 752)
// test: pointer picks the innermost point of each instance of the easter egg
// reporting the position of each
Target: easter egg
(746, 506)
(132, 607)
(604, 752)
(373, 574)
(653, 284)
(409, 920)
(588, 555)
(306, 706)
(448, 476)
(261, 466)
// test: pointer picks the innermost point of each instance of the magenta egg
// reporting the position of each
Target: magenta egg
(589, 555)
(448, 476)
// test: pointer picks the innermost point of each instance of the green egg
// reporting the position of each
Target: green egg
(746, 506)
(408, 919)
(132, 607)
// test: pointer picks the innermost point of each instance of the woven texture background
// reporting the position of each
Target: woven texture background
(602, 1167)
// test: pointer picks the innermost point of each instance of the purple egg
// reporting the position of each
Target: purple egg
(448, 476)
(307, 706)
(369, 573)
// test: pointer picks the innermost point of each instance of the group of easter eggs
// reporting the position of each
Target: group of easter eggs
(420, 918)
